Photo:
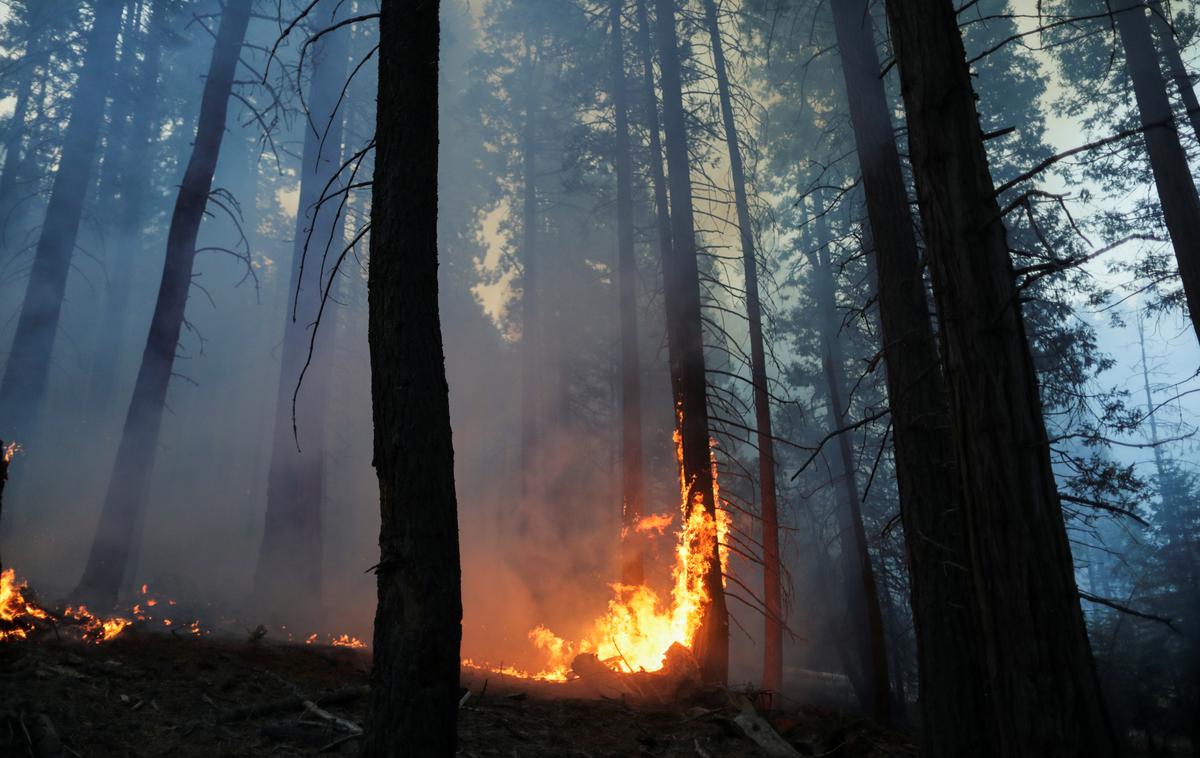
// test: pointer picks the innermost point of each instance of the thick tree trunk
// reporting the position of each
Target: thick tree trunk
(1040, 683)
(934, 530)
(132, 183)
(1172, 177)
(418, 624)
(632, 486)
(25, 377)
(768, 498)
(862, 629)
(1174, 58)
(681, 294)
(289, 559)
(135, 456)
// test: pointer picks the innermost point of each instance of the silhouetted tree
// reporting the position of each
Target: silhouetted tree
(418, 623)
(126, 497)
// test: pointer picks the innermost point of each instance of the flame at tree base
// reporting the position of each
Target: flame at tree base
(638, 627)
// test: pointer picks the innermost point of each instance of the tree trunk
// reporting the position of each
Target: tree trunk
(1040, 683)
(418, 625)
(863, 629)
(1172, 176)
(658, 178)
(532, 334)
(132, 184)
(289, 559)
(25, 377)
(772, 588)
(15, 131)
(1174, 58)
(632, 486)
(681, 294)
(934, 531)
(135, 456)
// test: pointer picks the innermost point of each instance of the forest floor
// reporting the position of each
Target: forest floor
(158, 694)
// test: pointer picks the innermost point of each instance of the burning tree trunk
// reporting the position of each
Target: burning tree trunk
(418, 624)
(1170, 49)
(772, 590)
(1172, 177)
(863, 629)
(136, 164)
(289, 559)
(681, 294)
(632, 488)
(135, 456)
(6, 455)
(924, 457)
(24, 387)
(1039, 680)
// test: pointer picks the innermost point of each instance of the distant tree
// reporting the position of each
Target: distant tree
(290, 562)
(418, 622)
(23, 389)
(126, 496)
(632, 484)
(1039, 677)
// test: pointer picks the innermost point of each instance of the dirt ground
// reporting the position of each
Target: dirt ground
(158, 694)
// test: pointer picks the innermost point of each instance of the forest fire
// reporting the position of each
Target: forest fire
(639, 626)
(21, 617)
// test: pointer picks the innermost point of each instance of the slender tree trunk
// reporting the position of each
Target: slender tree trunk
(1168, 161)
(632, 487)
(23, 390)
(681, 293)
(133, 182)
(135, 456)
(1159, 462)
(862, 632)
(289, 559)
(1039, 680)
(418, 625)
(658, 178)
(15, 130)
(1174, 58)
(768, 498)
(532, 333)
(930, 504)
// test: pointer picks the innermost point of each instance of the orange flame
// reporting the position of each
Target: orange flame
(9, 451)
(639, 627)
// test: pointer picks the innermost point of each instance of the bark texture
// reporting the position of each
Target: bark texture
(289, 560)
(681, 294)
(23, 389)
(125, 499)
(1168, 161)
(930, 503)
(632, 485)
(418, 624)
(1039, 681)
(764, 434)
